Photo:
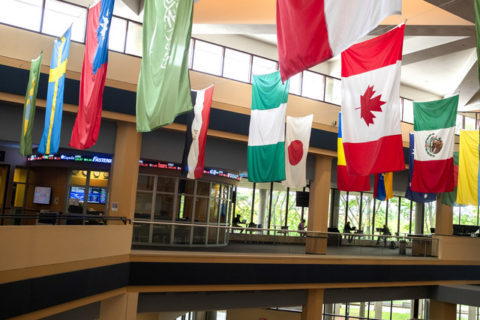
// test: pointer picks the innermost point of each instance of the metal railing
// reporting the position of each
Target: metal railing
(57, 218)
(234, 238)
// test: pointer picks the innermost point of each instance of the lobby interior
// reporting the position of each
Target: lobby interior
(146, 244)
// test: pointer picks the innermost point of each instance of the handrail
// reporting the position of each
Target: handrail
(305, 232)
(66, 217)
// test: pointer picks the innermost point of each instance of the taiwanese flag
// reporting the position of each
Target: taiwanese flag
(346, 182)
(312, 31)
(94, 71)
(196, 135)
(371, 106)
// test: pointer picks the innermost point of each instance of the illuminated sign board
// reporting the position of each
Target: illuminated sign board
(142, 163)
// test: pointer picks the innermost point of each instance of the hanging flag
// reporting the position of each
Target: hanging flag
(266, 137)
(163, 90)
(296, 151)
(450, 198)
(477, 32)
(94, 71)
(383, 189)
(346, 182)
(30, 106)
(371, 105)
(468, 179)
(196, 134)
(310, 32)
(416, 196)
(50, 141)
(434, 129)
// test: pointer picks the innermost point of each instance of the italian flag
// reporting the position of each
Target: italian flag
(434, 131)
(310, 32)
(266, 138)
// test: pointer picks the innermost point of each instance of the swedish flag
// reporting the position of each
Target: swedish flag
(53, 116)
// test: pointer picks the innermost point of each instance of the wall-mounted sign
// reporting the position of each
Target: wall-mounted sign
(142, 163)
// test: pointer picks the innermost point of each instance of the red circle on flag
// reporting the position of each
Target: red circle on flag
(295, 152)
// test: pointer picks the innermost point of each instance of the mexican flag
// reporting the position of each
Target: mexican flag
(266, 137)
(434, 131)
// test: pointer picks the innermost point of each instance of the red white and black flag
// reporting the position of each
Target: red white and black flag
(196, 135)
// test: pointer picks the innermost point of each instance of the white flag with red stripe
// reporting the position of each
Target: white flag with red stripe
(310, 32)
(296, 151)
(371, 106)
(194, 152)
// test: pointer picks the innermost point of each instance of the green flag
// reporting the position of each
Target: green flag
(266, 136)
(29, 107)
(450, 198)
(163, 90)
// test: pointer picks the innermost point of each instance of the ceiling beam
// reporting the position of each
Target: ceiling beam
(438, 51)
(424, 30)
(461, 8)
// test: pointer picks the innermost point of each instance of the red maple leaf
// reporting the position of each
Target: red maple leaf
(369, 104)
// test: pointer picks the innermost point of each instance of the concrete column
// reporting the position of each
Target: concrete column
(419, 217)
(336, 209)
(362, 309)
(262, 207)
(121, 307)
(318, 206)
(313, 309)
(444, 218)
(124, 172)
(472, 313)
(378, 309)
(442, 310)
(329, 309)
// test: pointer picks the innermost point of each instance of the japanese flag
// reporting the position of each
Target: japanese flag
(296, 150)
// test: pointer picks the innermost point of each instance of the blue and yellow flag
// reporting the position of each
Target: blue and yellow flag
(383, 188)
(53, 116)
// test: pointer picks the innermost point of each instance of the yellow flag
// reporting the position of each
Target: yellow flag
(467, 191)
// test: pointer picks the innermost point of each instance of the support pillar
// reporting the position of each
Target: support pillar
(122, 307)
(124, 172)
(442, 310)
(318, 206)
(444, 218)
(313, 309)
(261, 207)
(336, 209)
(419, 217)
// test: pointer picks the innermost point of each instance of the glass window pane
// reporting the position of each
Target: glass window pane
(21, 13)
(430, 214)
(143, 206)
(134, 39)
(190, 53)
(99, 179)
(279, 199)
(341, 211)
(405, 216)
(333, 93)
(263, 66)
(165, 184)
(236, 65)
(203, 188)
(243, 203)
(145, 182)
(393, 215)
(459, 124)
(79, 177)
(60, 15)
(163, 207)
(296, 84)
(353, 214)
(408, 110)
(313, 85)
(470, 123)
(208, 58)
(118, 29)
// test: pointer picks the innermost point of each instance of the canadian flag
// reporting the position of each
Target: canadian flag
(371, 105)
(296, 150)
(312, 31)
